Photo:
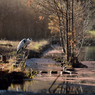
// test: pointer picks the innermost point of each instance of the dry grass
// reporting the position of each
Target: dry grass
(37, 45)
(92, 32)
(9, 47)
(13, 43)
(32, 46)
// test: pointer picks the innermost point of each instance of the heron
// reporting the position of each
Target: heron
(23, 44)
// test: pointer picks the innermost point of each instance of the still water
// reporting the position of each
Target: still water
(43, 86)
(31, 86)
(37, 86)
(90, 53)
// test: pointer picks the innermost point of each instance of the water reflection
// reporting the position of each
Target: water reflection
(25, 86)
(55, 86)
(87, 54)
(65, 86)
(68, 85)
(90, 55)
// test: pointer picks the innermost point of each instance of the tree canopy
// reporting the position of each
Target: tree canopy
(71, 19)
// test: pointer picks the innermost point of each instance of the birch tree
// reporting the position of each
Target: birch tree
(72, 19)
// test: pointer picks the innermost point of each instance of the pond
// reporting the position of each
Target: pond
(39, 86)
(87, 54)
(63, 87)
(90, 53)
(31, 86)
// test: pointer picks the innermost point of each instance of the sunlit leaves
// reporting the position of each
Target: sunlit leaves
(71, 42)
(80, 19)
(53, 24)
(69, 33)
(29, 3)
(41, 17)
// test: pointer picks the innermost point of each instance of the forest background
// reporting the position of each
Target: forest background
(18, 19)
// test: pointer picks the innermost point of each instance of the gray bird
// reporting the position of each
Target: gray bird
(23, 44)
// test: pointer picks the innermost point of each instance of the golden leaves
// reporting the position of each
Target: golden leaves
(69, 33)
(80, 19)
(75, 34)
(29, 3)
(93, 2)
(71, 42)
(53, 25)
(41, 18)
(74, 29)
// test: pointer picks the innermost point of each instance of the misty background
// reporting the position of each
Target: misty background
(18, 20)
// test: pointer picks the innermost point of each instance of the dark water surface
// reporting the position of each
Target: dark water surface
(64, 87)
(37, 86)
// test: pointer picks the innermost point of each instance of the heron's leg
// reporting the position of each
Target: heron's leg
(27, 54)
(24, 55)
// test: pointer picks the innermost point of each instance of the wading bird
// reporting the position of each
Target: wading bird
(23, 44)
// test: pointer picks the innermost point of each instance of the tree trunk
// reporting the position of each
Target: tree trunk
(67, 31)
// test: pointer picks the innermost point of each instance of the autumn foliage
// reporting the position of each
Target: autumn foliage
(69, 20)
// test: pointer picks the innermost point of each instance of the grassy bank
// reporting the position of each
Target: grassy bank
(8, 49)
(92, 32)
